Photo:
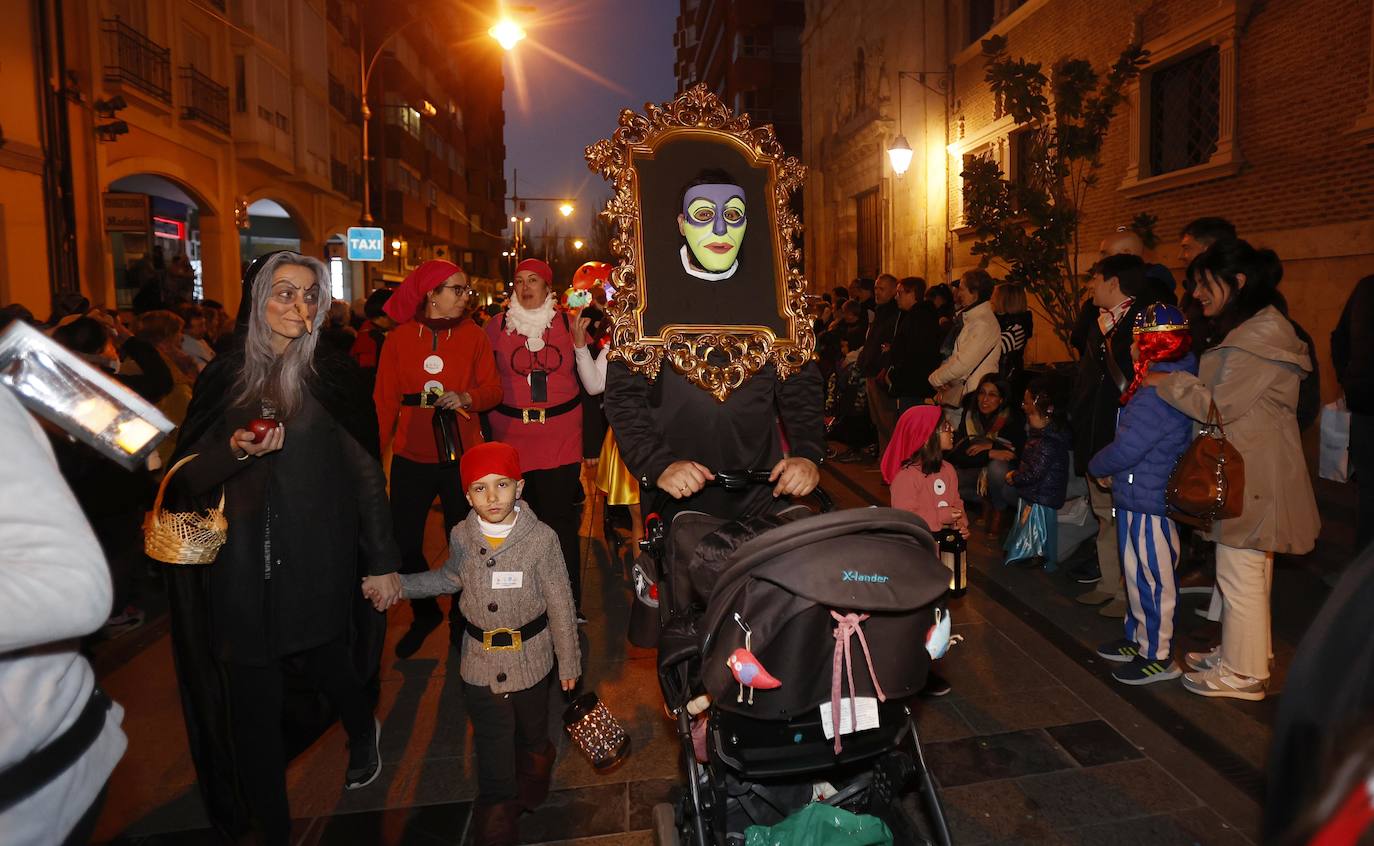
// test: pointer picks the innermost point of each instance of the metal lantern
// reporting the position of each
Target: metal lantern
(595, 730)
(954, 555)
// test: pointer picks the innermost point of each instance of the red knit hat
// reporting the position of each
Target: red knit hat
(485, 459)
(405, 303)
(538, 268)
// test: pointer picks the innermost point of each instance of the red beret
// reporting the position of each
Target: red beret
(405, 303)
(485, 459)
(538, 268)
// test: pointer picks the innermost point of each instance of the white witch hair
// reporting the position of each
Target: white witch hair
(266, 375)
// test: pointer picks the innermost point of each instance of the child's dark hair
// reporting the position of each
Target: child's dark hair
(1044, 393)
(930, 456)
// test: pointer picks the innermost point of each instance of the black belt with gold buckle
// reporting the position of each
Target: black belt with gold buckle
(424, 399)
(501, 640)
(538, 415)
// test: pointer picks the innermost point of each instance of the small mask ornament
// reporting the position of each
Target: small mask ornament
(713, 222)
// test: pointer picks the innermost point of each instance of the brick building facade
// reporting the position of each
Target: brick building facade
(1262, 113)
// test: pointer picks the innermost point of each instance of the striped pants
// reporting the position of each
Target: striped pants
(1149, 553)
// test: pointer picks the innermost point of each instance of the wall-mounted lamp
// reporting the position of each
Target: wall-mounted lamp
(899, 153)
(111, 131)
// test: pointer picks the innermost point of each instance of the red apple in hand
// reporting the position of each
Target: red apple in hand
(261, 426)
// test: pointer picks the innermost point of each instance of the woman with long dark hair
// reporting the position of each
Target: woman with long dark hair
(278, 619)
(1251, 372)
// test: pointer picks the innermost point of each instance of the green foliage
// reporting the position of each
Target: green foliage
(1030, 228)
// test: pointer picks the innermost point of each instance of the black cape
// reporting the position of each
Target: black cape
(201, 677)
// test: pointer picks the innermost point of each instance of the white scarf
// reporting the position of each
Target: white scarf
(530, 322)
(497, 530)
(701, 273)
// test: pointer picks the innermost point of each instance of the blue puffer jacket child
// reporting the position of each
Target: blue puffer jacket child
(1043, 474)
(1150, 437)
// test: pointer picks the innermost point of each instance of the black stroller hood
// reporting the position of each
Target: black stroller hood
(783, 585)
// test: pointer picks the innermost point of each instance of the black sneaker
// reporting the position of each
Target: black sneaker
(1146, 671)
(935, 685)
(1121, 651)
(364, 760)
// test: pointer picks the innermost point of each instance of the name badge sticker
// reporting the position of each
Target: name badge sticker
(505, 580)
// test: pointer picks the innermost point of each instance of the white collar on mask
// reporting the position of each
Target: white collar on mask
(693, 270)
(530, 322)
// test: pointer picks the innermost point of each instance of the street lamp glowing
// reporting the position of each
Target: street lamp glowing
(527, 220)
(395, 245)
(514, 219)
(566, 209)
(900, 155)
(577, 244)
(507, 33)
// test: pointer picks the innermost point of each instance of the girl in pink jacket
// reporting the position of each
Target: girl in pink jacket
(921, 481)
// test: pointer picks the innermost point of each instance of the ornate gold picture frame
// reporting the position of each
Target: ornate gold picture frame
(720, 332)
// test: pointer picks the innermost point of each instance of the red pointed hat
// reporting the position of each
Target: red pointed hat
(405, 302)
(538, 268)
(485, 459)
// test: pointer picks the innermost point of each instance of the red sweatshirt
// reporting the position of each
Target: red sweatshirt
(415, 357)
(929, 497)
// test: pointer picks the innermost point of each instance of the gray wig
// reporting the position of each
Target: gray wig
(279, 379)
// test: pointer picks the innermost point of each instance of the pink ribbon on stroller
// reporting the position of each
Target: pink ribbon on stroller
(847, 626)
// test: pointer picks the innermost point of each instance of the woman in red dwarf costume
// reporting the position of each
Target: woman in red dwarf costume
(541, 412)
(436, 357)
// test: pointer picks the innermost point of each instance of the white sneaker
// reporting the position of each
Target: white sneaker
(1220, 681)
(1203, 661)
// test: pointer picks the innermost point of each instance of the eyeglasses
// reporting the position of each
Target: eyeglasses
(458, 290)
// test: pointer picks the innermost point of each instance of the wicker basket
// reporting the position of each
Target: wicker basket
(184, 537)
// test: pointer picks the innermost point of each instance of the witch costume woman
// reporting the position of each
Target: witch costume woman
(275, 632)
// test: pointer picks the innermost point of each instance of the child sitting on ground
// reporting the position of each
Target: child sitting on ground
(923, 483)
(518, 606)
(1040, 481)
(1151, 435)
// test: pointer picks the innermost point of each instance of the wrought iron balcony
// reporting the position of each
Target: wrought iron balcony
(134, 59)
(206, 100)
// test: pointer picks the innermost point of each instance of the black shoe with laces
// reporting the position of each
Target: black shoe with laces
(364, 759)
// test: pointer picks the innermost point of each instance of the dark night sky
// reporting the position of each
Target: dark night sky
(627, 42)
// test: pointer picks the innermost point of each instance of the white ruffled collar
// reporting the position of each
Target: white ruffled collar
(532, 323)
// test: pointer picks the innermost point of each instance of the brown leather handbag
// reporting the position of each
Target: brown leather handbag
(1208, 482)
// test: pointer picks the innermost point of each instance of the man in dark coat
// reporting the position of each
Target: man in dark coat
(1121, 291)
(877, 355)
(1352, 353)
(915, 345)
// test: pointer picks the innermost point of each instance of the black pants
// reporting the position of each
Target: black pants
(505, 726)
(256, 695)
(556, 497)
(413, 489)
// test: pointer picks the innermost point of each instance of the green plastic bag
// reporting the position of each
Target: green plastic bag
(821, 825)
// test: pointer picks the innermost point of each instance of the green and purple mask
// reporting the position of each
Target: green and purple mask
(713, 221)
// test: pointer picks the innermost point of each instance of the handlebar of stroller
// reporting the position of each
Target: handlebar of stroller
(730, 480)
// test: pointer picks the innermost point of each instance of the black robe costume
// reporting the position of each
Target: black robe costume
(670, 419)
(201, 675)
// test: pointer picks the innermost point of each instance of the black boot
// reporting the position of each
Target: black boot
(494, 823)
(534, 770)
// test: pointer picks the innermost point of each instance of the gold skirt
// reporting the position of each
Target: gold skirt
(613, 477)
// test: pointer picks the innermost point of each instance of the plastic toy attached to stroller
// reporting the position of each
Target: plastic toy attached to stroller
(775, 631)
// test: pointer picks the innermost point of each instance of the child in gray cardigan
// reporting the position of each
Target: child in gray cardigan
(518, 605)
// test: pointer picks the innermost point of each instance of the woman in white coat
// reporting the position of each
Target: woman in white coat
(977, 341)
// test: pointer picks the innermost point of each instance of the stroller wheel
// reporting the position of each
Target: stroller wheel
(665, 826)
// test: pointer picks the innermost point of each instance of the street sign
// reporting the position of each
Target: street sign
(125, 212)
(365, 243)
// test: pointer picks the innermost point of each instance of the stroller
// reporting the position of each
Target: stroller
(801, 599)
